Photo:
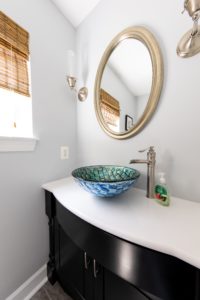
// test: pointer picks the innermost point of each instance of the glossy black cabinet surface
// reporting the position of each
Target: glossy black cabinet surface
(118, 289)
(92, 264)
(70, 268)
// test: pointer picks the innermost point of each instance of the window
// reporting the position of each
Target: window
(15, 99)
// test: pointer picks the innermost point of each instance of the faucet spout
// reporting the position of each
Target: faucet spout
(138, 161)
(150, 161)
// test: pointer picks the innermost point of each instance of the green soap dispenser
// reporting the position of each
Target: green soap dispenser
(161, 191)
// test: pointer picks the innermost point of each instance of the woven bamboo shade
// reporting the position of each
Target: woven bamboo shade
(110, 108)
(14, 55)
(110, 101)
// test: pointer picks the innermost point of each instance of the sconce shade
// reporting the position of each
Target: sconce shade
(70, 63)
(82, 93)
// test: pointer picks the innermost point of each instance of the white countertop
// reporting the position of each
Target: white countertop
(173, 230)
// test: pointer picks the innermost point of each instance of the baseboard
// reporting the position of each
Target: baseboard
(30, 286)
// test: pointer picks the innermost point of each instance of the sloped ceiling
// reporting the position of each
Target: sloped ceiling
(138, 79)
(131, 62)
(75, 10)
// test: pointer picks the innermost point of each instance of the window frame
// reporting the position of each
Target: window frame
(16, 142)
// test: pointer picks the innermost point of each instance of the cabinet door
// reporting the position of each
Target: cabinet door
(93, 279)
(117, 289)
(70, 266)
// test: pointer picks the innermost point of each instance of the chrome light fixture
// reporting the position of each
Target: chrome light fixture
(71, 79)
(189, 45)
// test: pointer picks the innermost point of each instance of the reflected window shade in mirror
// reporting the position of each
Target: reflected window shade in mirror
(131, 70)
(14, 56)
(110, 109)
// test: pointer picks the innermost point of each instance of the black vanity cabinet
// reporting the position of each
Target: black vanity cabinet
(91, 264)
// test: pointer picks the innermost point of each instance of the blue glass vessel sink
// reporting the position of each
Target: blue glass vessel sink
(106, 180)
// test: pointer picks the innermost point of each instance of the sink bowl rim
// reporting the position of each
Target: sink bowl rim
(136, 175)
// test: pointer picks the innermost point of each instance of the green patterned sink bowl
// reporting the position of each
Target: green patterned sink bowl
(105, 180)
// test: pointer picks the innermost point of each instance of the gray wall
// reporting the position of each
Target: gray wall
(23, 224)
(174, 128)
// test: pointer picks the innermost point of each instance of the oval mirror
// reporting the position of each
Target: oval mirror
(128, 82)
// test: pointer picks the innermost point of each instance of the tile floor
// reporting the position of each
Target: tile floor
(51, 292)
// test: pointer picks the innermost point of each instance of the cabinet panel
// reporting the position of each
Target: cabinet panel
(117, 289)
(88, 281)
(70, 266)
(94, 275)
(98, 281)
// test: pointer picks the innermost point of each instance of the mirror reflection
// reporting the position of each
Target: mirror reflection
(125, 85)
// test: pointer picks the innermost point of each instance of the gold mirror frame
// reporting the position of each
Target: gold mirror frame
(146, 37)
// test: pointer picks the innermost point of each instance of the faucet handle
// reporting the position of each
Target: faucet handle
(151, 148)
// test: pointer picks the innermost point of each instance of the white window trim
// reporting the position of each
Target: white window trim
(16, 144)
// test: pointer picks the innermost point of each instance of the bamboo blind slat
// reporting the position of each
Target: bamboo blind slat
(13, 34)
(110, 116)
(110, 108)
(14, 54)
(109, 101)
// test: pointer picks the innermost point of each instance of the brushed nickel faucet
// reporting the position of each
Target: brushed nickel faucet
(151, 162)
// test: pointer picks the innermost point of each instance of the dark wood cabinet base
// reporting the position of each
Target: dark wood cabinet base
(92, 264)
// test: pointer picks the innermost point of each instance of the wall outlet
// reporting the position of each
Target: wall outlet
(64, 152)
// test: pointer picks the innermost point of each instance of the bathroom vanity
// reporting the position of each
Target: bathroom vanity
(123, 248)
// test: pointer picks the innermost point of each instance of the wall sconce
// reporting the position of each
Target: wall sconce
(71, 79)
(189, 45)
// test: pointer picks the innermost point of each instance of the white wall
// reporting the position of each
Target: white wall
(112, 84)
(23, 223)
(174, 128)
(141, 104)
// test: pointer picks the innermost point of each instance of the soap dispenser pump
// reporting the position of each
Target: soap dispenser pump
(161, 191)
